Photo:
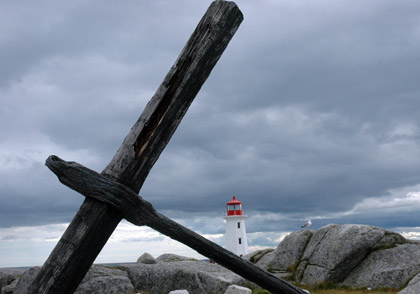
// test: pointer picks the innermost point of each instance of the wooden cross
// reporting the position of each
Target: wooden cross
(112, 195)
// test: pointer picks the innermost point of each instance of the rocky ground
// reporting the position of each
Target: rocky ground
(349, 255)
(167, 273)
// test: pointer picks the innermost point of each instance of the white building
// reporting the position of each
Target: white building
(235, 237)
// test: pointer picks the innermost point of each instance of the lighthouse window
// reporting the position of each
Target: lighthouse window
(240, 241)
(239, 225)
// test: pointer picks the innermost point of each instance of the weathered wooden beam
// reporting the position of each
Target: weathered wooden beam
(94, 222)
(142, 147)
(141, 212)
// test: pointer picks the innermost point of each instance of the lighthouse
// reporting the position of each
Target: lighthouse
(235, 237)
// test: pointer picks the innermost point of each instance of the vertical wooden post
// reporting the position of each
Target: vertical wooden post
(94, 222)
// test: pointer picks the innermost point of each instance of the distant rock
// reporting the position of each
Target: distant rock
(10, 288)
(196, 277)
(234, 289)
(146, 258)
(168, 257)
(179, 292)
(7, 276)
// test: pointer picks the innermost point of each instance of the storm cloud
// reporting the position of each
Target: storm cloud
(313, 111)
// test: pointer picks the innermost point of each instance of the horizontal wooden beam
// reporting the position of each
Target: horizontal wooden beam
(141, 212)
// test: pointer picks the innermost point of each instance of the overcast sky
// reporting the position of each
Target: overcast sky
(313, 111)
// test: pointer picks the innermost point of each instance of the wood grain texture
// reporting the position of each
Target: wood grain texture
(142, 147)
(94, 222)
(140, 212)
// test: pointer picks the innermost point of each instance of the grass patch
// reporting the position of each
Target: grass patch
(292, 270)
(329, 288)
(118, 267)
(347, 291)
(260, 291)
(337, 291)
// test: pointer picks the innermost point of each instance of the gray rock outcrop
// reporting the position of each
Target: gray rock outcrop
(254, 257)
(197, 277)
(334, 251)
(146, 258)
(357, 256)
(349, 255)
(26, 279)
(390, 268)
(101, 279)
(179, 292)
(98, 280)
(413, 286)
(265, 259)
(289, 252)
(235, 289)
(260, 258)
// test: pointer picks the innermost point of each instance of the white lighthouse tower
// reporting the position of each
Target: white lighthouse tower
(235, 237)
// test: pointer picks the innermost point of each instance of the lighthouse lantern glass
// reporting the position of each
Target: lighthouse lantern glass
(234, 209)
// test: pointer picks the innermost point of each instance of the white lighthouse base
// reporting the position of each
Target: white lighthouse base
(235, 237)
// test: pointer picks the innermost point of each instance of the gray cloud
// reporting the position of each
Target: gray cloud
(311, 110)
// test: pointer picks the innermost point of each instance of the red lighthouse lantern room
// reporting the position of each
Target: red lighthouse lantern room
(234, 207)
